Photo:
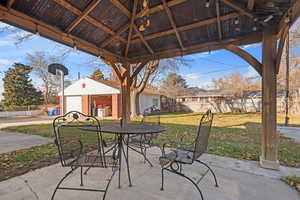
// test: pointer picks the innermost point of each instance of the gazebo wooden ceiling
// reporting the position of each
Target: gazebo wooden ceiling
(108, 28)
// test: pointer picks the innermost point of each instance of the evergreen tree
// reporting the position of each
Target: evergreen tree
(18, 87)
(97, 75)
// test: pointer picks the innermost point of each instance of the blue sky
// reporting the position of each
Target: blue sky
(200, 72)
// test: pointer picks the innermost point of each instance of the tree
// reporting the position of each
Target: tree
(148, 77)
(97, 75)
(39, 62)
(235, 84)
(18, 87)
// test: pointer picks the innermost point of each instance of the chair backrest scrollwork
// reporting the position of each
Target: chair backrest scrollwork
(73, 140)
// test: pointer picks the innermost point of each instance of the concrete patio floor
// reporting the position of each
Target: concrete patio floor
(238, 180)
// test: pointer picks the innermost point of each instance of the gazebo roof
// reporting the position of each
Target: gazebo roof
(177, 27)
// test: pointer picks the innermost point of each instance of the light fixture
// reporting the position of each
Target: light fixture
(144, 21)
(237, 29)
(37, 30)
(268, 18)
(207, 4)
(236, 21)
(254, 28)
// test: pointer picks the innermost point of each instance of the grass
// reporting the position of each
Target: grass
(233, 135)
(293, 181)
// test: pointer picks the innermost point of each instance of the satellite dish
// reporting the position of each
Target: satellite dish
(55, 66)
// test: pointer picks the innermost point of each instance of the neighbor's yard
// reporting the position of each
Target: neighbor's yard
(233, 135)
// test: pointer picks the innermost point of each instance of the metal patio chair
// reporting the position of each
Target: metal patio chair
(75, 147)
(189, 154)
(144, 142)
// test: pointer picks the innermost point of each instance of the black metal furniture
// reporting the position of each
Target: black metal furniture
(75, 146)
(145, 141)
(188, 154)
(122, 132)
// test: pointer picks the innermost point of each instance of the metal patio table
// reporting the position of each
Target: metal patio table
(123, 130)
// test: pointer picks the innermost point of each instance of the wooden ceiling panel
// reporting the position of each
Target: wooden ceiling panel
(164, 43)
(109, 15)
(47, 11)
(81, 5)
(89, 32)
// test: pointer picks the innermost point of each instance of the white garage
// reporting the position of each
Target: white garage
(73, 103)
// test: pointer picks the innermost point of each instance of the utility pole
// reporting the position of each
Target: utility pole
(287, 81)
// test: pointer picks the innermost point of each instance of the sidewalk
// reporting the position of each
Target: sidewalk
(291, 132)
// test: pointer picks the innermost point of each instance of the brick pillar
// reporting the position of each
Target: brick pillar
(115, 106)
(85, 100)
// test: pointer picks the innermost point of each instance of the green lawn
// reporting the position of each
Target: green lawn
(233, 135)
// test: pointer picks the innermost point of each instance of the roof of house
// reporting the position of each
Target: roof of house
(207, 93)
(88, 86)
(257, 93)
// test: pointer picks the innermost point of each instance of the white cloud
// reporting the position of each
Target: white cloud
(251, 72)
(5, 62)
(192, 76)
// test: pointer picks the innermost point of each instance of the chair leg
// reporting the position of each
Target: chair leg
(60, 182)
(162, 179)
(108, 184)
(211, 171)
(81, 176)
(180, 174)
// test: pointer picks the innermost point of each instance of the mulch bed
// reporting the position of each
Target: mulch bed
(20, 170)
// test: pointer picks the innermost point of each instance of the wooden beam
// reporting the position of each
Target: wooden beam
(28, 23)
(143, 39)
(10, 3)
(89, 9)
(91, 20)
(250, 4)
(121, 7)
(173, 24)
(269, 136)
(116, 70)
(139, 69)
(131, 26)
(114, 36)
(124, 28)
(246, 56)
(137, 30)
(189, 27)
(245, 11)
(207, 46)
(218, 19)
(281, 47)
(160, 7)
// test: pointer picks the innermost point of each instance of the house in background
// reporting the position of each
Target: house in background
(86, 95)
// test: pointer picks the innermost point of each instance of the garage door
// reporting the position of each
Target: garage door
(73, 103)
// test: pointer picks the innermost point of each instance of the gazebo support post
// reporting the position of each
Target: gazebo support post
(125, 94)
(268, 158)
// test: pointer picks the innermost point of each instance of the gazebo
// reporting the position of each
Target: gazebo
(129, 34)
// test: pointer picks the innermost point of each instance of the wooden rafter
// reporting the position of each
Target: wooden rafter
(246, 56)
(250, 4)
(143, 39)
(89, 9)
(282, 42)
(207, 46)
(139, 69)
(189, 27)
(91, 20)
(173, 24)
(29, 23)
(245, 11)
(136, 29)
(10, 3)
(121, 7)
(135, 3)
(218, 19)
(114, 36)
(124, 28)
